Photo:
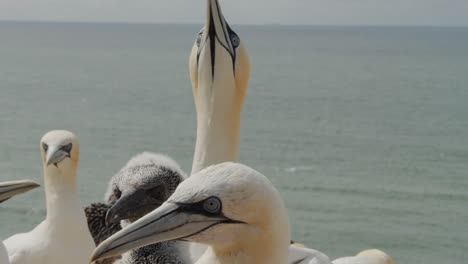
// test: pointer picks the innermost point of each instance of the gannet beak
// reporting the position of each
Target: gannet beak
(10, 189)
(168, 222)
(217, 27)
(55, 155)
(216, 45)
(132, 204)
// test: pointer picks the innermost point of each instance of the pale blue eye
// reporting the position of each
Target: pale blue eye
(235, 40)
(212, 205)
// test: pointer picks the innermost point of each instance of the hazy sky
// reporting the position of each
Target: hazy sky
(343, 12)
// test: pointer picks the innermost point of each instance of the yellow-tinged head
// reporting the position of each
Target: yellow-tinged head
(219, 63)
(60, 149)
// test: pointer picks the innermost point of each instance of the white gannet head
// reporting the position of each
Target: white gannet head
(219, 63)
(60, 151)
(230, 207)
(141, 186)
(12, 188)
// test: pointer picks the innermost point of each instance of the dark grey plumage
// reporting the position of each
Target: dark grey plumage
(96, 216)
(167, 252)
(142, 185)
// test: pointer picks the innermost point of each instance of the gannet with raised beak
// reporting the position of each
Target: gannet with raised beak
(233, 209)
(219, 72)
(7, 191)
(63, 237)
(371, 256)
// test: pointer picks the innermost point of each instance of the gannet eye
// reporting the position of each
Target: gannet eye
(212, 205)
(199, 37)
(67, 148)
(235, 40)
(117, 193)
(45, 147)
(157, 192)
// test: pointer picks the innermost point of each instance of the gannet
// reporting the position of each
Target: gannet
(230, 207)
(219, 72)
(219, 69)
(141, 186)
(371, 256)
(8, 190)
(63, 237)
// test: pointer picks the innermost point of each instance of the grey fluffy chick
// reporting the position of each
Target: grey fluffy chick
(141, 186)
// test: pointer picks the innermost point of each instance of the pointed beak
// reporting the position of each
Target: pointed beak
(168, 222)
(217, 26)
(55, 155)
(10, 189)
(132, 204)
(216, 33)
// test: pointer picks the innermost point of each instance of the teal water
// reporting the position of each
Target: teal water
(363, 129)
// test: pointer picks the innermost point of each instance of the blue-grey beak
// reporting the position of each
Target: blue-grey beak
(55, 155)
(10, 189)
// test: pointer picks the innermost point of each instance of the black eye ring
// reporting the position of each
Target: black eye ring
(212, 205)
(45, 147)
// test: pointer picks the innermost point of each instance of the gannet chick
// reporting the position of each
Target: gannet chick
(371, 256)
(141, 186)
(233, 209)
(7, 191)
(63, 237)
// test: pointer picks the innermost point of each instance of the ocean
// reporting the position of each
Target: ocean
(364, 130)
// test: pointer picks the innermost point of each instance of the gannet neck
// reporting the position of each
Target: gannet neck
(60, 153)
(61, 192)
(217, 138)
(261, 248)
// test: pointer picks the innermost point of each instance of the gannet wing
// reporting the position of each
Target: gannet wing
(99, 229)
(299, 255)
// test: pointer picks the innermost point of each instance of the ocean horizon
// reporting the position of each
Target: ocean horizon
(363, 129)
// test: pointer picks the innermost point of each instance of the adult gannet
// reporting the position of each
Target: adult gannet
(219, 72)
(8, 190)
(63, 237)
(230, 207)
(371, 256)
